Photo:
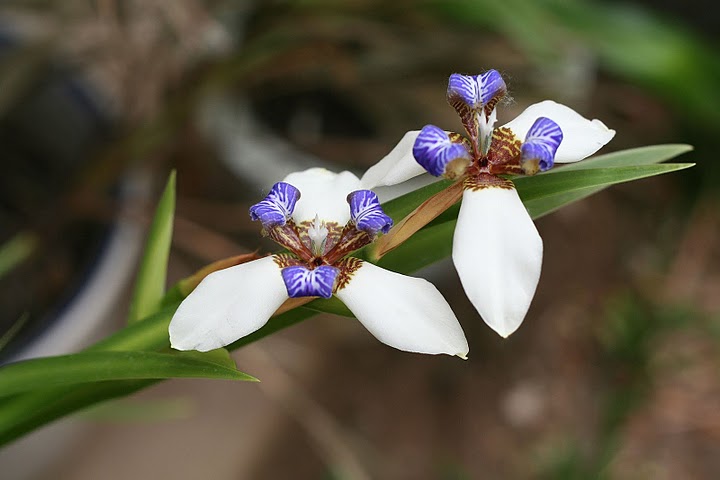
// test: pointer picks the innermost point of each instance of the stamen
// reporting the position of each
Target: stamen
(318, 234)
(486, 125)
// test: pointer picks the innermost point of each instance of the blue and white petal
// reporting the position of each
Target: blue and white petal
(303, 282)
(227, 305)
(434, 150)
(464, 87)
(404, 312)
(396, 167)
(476, 91)
(497, 253)
(277, 206)
(541, 143)
(492, 86)
(581, 137)
(367, 214)
(324, 194)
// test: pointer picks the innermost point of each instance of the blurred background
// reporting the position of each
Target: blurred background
(614, 373)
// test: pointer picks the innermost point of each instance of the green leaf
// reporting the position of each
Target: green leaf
(625, 158)
(150, 283)
(542, 206)
(151, 333)
(543, 186)
(400, 207)
(633, 157)
(426, 247)
(85, 367)
(330, 305)
(24, 412)
(219, 356)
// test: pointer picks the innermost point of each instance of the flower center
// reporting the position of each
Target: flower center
(486, 150)
(317, 264)
(318, 234)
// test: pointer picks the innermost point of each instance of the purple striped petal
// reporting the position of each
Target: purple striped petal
(476, 91)
(492, 86)
(541, 143)
(367, 214)
(434, 150)
(465, 87)
(278, 205)
(302, 282)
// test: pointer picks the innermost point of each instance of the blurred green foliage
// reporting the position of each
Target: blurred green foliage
(631, 42)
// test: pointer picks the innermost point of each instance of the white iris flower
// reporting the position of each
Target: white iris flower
(497, 250)
(320, 217)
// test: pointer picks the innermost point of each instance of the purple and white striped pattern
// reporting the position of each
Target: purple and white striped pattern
(367, 214)
(476, 91)
(278, 205)
(541, 143)
(303, 282)
(433, 150)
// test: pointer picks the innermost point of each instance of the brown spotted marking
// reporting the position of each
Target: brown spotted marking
(348, 266)
(486, 180)
(289, 237)
(350, 240)
(284, 260)
(504, 154)
(468, 118)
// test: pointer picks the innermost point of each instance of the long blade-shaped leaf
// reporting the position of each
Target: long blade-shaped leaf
(150, 283)
(544, 193)
(399, 207)
(632, 157)
(542, 186)
(89, 367)
(24, 412)
(542, 206)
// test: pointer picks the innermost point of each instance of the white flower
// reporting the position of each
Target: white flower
(497, 250)
(320, 217)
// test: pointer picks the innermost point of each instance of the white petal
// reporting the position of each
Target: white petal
(581, 137)
(404, 312)
(227, 305)
(497, 252)
(396, 167)
(323, 193)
